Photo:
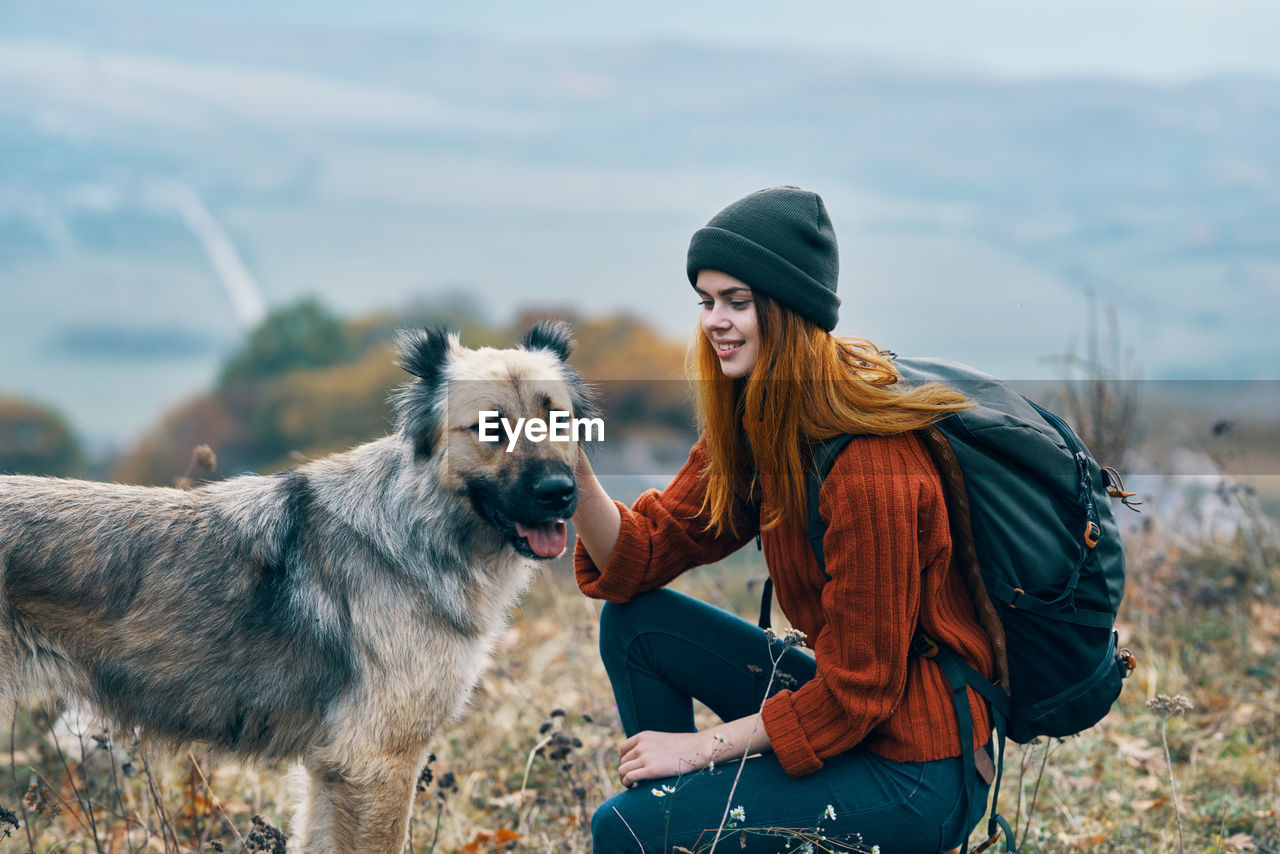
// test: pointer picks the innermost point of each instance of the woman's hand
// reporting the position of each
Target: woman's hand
(648, 755)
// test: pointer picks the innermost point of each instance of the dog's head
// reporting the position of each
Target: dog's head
(505, 425)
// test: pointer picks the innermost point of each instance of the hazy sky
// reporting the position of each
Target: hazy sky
(1148, 38)
(1151, 39)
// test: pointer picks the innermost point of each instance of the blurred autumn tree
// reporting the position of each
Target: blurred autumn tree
(302, 335)
(35, 440)
(307, 383)
(640, 374)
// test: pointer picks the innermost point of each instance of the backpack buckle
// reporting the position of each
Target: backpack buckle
(990, 840)
(1092, 534)
(924, 646)
(1129, 661)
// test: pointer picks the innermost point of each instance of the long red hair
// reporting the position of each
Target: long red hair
(807, 385)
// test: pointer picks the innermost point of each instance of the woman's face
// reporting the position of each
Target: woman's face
(729, 321)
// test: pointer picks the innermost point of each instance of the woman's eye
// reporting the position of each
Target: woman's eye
(705, 303)
(739, 303)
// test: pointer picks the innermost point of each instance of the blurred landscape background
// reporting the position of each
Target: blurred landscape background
(215, 215)
(168, 174)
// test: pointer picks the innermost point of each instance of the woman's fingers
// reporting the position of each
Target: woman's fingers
(631, 759)
(637, 771)
(647, 755)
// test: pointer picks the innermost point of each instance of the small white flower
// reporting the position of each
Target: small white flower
(658, 793)
(875, 849)
(670, 790)
(830, 813)
(738, 814)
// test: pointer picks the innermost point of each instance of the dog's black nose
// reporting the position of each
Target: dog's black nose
(555, 491)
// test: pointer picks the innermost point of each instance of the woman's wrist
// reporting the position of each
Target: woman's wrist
(597, 520)
(741, 737)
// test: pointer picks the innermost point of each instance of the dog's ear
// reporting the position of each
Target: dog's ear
(556, 336)
(553, 335)
(423, 352)
(419, 413)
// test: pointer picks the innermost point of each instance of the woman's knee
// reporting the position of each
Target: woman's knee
(622, 622)
(609, 832)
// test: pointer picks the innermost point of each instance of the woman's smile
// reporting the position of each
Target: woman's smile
(729, 321)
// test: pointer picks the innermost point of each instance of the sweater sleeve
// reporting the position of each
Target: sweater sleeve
(662, 535)
(871, 501)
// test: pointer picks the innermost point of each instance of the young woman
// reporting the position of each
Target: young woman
(861, 744)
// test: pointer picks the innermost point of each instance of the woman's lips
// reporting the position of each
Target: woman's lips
(733, 347)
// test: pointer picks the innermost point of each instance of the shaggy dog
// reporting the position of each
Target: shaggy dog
(338, 613)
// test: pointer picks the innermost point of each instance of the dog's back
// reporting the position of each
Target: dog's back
(154, 606)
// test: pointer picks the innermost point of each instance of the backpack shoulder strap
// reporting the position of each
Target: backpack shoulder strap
(824, 457)
(958, 672)
(962, 545)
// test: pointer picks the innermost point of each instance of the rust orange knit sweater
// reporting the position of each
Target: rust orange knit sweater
(888, 551)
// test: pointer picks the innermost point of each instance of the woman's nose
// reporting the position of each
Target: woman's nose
(715, 318)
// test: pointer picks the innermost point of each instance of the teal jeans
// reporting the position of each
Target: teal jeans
(662, 650)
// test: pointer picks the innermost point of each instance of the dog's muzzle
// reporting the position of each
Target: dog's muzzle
(535, 528)
(555, 495)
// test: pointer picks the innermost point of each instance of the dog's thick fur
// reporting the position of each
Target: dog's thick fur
(337, 614)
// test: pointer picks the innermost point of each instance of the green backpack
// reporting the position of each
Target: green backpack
(1033, 530)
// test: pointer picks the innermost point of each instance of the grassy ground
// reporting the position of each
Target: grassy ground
(523, 770)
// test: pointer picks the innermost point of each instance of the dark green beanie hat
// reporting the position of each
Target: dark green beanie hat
(778, 241)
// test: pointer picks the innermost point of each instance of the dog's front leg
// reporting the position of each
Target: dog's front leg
(321, 823)
(358, 813)
(384, 825)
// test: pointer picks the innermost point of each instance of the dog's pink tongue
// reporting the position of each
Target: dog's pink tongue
(547, 539)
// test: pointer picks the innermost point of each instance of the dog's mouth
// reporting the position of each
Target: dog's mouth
(540, 540)
(545, 540)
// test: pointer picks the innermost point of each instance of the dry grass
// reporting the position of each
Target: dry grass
(523, 770)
